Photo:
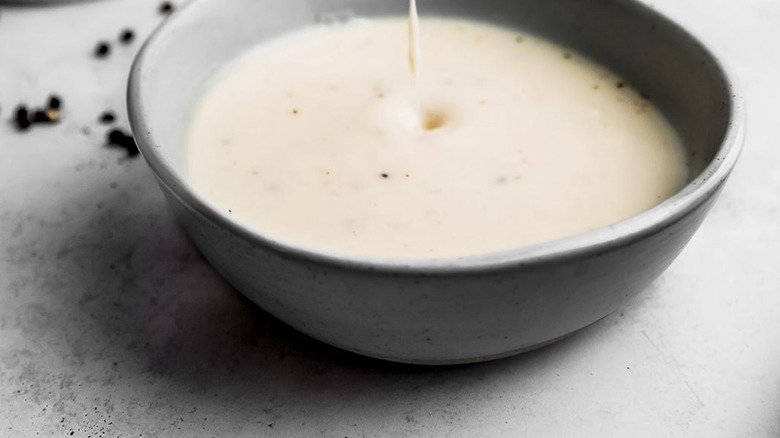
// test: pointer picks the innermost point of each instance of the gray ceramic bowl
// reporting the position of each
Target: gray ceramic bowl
(456, 310)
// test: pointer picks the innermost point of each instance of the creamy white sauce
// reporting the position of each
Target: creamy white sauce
(314, 139)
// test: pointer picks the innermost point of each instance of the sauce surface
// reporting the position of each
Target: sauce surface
(314, 139)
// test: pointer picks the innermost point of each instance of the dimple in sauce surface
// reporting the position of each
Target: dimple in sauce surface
(314, 139)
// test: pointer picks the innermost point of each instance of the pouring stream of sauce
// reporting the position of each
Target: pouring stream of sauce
(414, 56)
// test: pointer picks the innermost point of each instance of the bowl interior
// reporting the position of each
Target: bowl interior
(653, 54)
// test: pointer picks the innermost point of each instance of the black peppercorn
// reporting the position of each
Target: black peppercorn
(107, 118)
(22, 118)
(39, 116)
(166, 8)
(55, 102)
(117, 137)
(102, 50)
(127, 36)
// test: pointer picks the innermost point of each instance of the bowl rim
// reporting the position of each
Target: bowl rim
(598, 241)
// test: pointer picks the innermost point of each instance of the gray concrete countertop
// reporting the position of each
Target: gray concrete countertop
(111, 323)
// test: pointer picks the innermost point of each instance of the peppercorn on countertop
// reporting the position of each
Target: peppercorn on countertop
(112, 324)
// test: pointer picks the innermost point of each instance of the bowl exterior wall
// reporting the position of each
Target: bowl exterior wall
(439, 318)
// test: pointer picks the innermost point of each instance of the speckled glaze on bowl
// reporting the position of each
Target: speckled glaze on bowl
(451, 310)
